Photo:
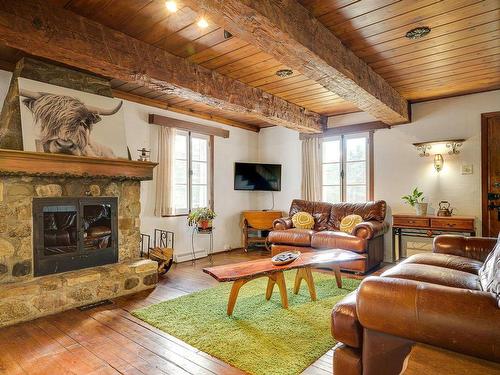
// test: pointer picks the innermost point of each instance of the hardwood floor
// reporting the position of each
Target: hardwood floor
(109, 340)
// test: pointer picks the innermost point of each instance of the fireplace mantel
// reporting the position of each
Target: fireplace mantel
(23, 163)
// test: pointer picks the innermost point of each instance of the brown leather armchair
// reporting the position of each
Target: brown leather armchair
(434, 299)
(366, 238)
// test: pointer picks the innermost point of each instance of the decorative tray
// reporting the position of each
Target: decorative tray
(285, 258)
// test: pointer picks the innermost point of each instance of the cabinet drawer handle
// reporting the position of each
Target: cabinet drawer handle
(451, 224)
(411, 222)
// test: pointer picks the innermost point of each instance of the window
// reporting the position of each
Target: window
(192, 174)
(346, 168)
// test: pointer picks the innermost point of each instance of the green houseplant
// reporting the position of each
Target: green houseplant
(202, 217)
(416, 199)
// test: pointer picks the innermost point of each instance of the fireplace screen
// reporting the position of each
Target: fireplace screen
(74, 233)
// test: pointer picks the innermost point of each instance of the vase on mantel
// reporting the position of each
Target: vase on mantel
(421, 209)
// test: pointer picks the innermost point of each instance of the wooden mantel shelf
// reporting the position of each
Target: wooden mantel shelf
(23, 163)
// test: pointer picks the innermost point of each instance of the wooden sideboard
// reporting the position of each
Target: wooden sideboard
(257, 222)
(427, 226)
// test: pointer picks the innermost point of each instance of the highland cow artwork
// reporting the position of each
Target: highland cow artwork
(64, 121)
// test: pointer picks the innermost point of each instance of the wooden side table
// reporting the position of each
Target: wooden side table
(256, 222)
(428, 226)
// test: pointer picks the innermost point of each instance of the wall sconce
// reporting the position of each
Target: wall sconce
(438, 162)
(437, 148)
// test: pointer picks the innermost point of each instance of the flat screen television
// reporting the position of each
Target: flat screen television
(257, 177)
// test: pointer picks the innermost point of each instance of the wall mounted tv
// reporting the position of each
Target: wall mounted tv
(257, 177)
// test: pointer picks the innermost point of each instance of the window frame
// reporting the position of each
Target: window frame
(343, 163)
(210, 171)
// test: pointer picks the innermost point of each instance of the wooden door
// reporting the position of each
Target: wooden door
(490, 166)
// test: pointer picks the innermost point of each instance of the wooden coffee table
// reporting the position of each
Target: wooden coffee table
(241, 273)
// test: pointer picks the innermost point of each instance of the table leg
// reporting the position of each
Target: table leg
(338, 276)
(234, 295)
(310, 283)
(393, 245)
(270, 287)
(400, 243)
(280, 281)
(298, 279)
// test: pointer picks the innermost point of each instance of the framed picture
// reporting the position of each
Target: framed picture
(59, 120)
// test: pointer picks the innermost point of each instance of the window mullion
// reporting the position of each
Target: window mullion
(190, 173)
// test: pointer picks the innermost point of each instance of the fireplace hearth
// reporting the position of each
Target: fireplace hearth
(74, 233)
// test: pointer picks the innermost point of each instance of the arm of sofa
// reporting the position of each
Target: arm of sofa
(282, 223)
(460, 320)
(470, 247)
(370, 229)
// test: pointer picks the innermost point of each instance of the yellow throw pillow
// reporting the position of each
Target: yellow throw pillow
(349, 222)
(303, 220)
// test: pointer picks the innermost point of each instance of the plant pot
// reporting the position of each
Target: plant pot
(205, 224)
(421, 209)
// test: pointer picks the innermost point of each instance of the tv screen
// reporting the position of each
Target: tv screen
(253, 176)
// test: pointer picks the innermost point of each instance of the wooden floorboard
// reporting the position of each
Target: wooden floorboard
(109, 340)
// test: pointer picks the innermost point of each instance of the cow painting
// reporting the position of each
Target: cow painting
(66, 124)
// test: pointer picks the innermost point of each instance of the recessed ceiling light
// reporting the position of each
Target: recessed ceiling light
(171, 6)
(203, 23)
(284, 73)
(418, 32)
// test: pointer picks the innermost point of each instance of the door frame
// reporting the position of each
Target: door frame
(484, 169)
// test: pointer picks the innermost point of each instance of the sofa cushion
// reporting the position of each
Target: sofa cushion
(434, 275)
(345, 324)
(303, 220)
(349, 222)
(294, 236)
(447, 261)
(338, 240)
(489, 274)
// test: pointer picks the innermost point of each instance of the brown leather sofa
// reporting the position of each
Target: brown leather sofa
(434, 299)
(367, 238)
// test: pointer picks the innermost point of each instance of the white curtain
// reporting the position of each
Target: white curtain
(165, 172)
(311, 169)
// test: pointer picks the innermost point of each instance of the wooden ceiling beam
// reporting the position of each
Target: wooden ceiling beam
(289, 33)
(42, 30)
(164, 105)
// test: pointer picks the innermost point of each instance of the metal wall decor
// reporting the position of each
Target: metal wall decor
(453, 144)
(418, 32)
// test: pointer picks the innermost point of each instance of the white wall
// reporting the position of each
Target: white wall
(398, 168)
(240, 146)
(280, 145)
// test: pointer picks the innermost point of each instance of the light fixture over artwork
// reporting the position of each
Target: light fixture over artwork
(438, 148)
(171, 6)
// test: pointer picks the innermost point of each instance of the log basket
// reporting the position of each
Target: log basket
(162, 250)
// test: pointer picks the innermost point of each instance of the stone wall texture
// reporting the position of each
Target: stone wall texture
(16, 196)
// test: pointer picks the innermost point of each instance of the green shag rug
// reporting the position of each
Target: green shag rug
(261, 337)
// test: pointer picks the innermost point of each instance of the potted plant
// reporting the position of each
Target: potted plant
(202, 217)
(416, 199)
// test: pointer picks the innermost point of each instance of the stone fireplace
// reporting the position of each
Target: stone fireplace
(79, 275)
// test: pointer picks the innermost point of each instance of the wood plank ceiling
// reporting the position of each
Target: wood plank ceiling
(179, 34)
(460, 55)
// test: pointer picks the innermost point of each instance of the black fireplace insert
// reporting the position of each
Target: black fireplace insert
(74, 233)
